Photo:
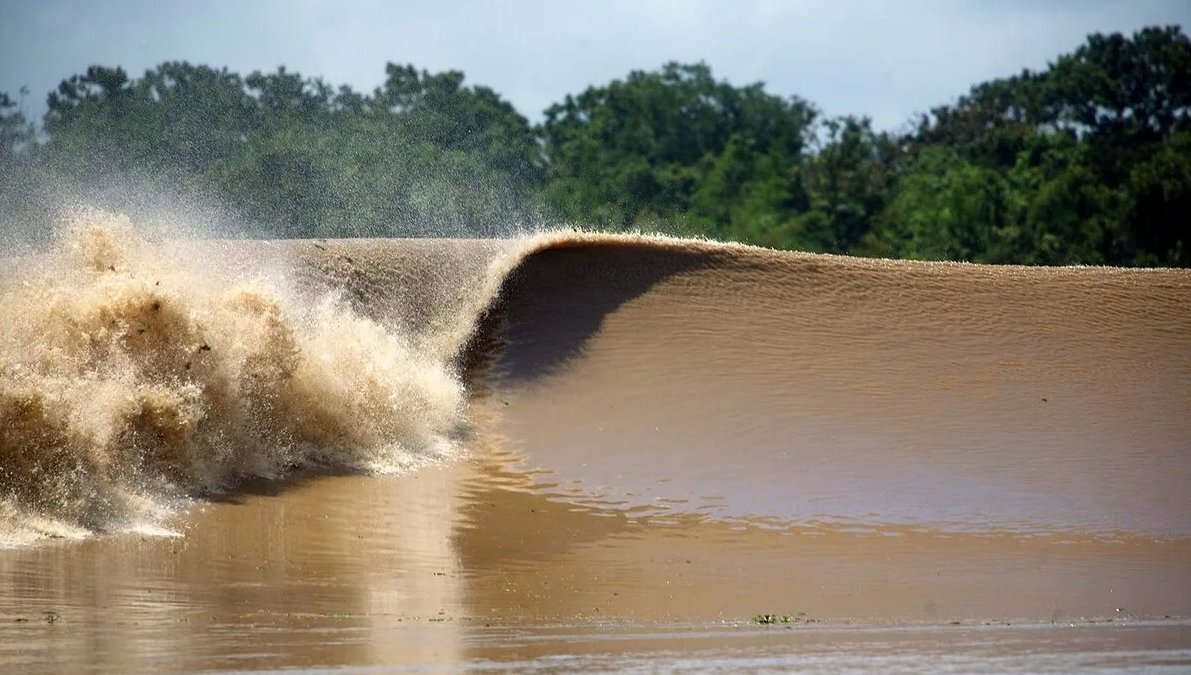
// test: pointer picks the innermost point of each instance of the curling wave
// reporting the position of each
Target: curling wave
(134, 374)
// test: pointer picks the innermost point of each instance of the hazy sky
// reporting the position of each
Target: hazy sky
(886, 60)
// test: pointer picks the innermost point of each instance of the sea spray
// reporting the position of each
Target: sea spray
(132, 375)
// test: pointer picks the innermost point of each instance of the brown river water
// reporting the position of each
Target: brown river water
(581, 452)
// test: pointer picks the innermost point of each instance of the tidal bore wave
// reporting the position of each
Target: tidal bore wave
(137, 375)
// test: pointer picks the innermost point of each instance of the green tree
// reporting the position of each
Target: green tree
(16, 134)
(946, 208)
(1089, 151)
(19, 181)
(1049, 208)
(295, 156)
(848, 181)
(1159, 190)
(1136, 88)
(638, 149)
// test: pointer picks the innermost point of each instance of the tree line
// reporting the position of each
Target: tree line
(1087, 161)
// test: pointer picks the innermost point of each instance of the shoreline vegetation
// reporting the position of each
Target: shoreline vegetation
(1085, 162)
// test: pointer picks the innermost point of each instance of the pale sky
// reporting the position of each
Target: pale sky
(884, 59)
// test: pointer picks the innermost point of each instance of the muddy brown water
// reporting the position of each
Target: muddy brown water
(920, 465)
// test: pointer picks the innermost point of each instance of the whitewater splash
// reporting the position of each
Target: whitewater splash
(131, 377)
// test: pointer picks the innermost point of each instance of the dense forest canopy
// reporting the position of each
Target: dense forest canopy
(1087, 161)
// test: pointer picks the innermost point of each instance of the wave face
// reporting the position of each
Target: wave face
(747, 383)
(645, 372)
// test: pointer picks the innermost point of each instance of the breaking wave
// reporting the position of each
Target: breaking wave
(132, 376)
